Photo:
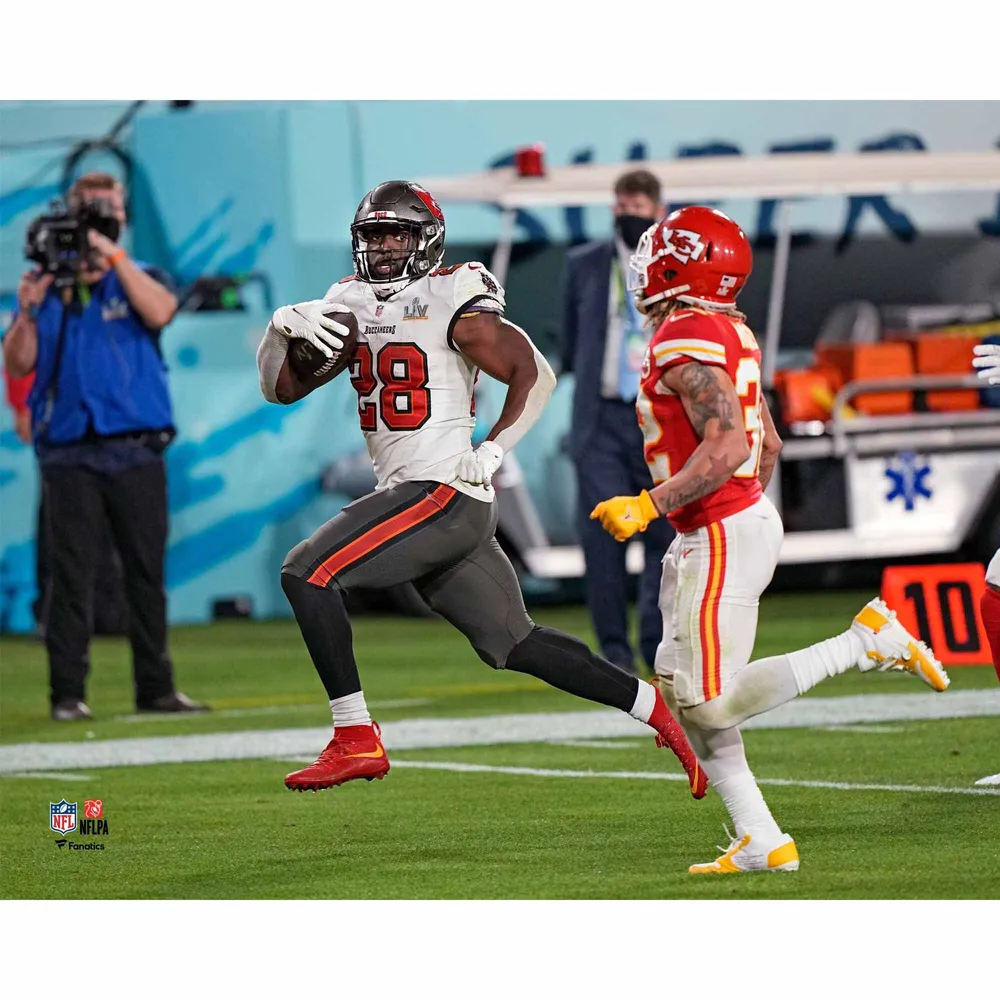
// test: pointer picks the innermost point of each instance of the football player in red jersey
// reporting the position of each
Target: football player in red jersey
(711, 446)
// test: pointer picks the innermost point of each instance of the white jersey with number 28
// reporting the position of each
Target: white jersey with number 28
(415, 389)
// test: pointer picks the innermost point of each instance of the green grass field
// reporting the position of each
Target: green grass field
(229, 829)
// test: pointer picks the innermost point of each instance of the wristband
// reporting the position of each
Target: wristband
(117, 256)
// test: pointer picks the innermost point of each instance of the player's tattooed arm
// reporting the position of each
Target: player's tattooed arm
(770, 447)
(710, 401)
(505, 352)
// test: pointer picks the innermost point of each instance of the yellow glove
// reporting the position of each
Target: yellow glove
(624, 516)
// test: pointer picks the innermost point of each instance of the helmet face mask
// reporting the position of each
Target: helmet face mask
(385, 250)
(695, 255)
(381, 257)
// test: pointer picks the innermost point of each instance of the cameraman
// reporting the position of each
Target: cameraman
(88, 325)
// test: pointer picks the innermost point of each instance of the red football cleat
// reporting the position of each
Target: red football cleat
(670, 734)
(354, 752)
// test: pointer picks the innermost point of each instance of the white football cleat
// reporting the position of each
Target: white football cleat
(744, 855)
(990, 779)
(888, 646)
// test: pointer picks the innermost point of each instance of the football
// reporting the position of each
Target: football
(311, 366)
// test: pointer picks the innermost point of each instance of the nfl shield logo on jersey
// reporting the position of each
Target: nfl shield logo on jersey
(62, 816)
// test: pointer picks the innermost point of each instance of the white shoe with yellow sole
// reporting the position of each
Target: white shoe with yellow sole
(745, 855)
(888, 646)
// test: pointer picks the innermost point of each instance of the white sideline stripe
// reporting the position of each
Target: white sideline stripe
(542, 772)
(599, 744)
(419, 734)
(52, 775)
(874, 728)
(239, 713)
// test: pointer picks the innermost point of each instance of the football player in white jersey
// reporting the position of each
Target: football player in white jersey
(425, 331)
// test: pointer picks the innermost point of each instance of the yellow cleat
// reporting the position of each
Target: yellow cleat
(888, 646)
(741, 858)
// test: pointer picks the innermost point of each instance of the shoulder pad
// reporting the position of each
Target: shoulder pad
(338, 288)
(691, 334)
(471, 282)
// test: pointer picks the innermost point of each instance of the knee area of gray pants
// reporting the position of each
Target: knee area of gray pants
(503, 649)
(490, 659)
(712, 714)
(297, 561)
(294, 583)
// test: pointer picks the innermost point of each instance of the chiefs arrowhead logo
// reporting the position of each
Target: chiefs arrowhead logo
(684, 244)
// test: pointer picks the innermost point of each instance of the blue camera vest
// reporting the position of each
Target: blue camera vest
(111, 380)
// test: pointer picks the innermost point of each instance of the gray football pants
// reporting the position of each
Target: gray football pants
(439, 539)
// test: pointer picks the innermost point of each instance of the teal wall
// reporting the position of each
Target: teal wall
(272, 187)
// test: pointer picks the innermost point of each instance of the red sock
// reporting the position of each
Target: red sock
(989, 606)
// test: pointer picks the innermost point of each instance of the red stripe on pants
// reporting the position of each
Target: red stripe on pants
(383, 532)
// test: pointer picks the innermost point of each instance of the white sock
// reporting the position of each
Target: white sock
(721, 754)
(746, 805)
(350, 710)
(825, 659)
(774, 680)
(645, 702)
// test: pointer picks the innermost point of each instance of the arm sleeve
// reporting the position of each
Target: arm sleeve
(270, 357)
(18, 390)
(538, 396)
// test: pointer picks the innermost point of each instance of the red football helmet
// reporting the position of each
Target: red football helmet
(696, 255)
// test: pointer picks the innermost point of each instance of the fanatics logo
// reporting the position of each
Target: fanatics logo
(62, 816)
(684, 244)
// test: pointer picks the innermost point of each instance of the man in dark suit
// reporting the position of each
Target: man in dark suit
(603, 345)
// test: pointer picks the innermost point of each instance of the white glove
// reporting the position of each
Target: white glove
(988, 362)
(477, 467)
(305, 321)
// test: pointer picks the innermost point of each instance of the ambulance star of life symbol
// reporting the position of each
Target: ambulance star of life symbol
(62, 816)
(684, 244)
(907, 479)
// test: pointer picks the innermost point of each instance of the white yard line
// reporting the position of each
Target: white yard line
(543, 772)
(418, 734)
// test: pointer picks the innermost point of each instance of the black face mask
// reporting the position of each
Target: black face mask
(631, 227)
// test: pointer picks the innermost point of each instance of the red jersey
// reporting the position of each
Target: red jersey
(709, 338)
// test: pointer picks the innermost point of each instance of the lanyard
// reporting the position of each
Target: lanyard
(634, 317)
